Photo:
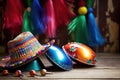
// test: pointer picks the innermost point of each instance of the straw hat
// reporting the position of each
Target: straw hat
(22, 50)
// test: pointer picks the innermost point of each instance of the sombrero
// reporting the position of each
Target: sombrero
(59, 58)
(22, 50)
(80, 53)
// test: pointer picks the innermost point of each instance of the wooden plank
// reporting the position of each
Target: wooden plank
(107, 68)
(80, 74)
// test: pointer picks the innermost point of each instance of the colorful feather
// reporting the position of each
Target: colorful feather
(77, 27)
(27, 22)
(96, 39)
(51, 22)
(62, 13)
(38, 17)
(13, 17)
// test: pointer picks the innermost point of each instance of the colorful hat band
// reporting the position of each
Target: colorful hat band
(16, 43)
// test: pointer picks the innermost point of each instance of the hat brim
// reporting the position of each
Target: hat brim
(78, 60)
(5, 62)
(58, 58)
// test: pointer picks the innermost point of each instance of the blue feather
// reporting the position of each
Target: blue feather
(38, 17)
(93, 29)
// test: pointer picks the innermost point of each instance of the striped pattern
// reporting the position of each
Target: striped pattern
(26, 48)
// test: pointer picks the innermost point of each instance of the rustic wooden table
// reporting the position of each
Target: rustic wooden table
(107, 68)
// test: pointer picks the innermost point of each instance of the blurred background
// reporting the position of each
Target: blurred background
(107, 13)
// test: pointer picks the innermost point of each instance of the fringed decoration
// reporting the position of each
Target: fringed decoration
(78, 27)
(27, 22)
(62, 13)
(96, 38)
(51, 24)
(38, 17)
(13, 17)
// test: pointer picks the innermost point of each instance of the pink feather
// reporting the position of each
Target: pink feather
(13, 17)
(62, 13)
(51, 24)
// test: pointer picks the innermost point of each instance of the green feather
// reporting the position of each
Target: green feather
(72, 24)
(27, 23)
(78, 27)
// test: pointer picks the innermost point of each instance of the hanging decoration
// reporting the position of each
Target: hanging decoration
(58, 15)
(27, 22)
(62, 13)
(96, 39)
(38, 17)
(51, 22)
(13, 17)
(77, 27)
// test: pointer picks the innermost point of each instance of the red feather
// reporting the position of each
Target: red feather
(62, 13)
(13, 17)
(51, 24)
